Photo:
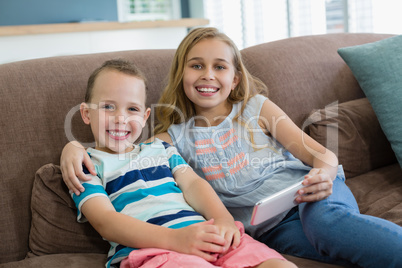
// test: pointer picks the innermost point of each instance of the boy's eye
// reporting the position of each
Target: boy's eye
(133, 109)
(108, 107)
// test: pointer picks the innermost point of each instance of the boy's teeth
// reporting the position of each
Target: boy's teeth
(119, 134)
(207, 89)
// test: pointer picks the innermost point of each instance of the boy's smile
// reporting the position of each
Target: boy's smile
(118, 134)
(117, 111)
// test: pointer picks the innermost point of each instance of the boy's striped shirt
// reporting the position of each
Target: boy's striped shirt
(139, 184)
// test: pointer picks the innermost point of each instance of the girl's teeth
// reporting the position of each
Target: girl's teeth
(207, 89)
(118, 134)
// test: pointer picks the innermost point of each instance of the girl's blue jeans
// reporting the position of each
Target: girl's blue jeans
(333, 231)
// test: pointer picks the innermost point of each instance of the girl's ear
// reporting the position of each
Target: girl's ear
(84, 110)
(236, 80)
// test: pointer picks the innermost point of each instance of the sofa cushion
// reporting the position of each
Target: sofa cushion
(70, 260)
(379, 192)
(378, 69)
(352, 131)
(54, 226)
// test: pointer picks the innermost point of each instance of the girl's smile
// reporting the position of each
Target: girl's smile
(209, 77)
(207, 90)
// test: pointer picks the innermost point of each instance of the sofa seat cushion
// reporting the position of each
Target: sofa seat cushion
(378, 69)
(379, 192)
(352, 131)
(87, 260)
(54, 226)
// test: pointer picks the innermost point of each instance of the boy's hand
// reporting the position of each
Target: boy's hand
(318, 186)
(71, 160)
(229, 231)
(200, 239)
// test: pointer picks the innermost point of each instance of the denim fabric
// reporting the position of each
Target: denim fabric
(333, 231)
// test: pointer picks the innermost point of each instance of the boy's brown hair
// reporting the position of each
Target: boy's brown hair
(119, 65)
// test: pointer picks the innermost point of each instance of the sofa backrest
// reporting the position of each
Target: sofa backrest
(39, 104)
(306, 73)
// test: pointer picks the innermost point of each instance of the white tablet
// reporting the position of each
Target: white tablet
(275, 204)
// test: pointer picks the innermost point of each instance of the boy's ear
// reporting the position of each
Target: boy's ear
(84, 110)
(146, 116)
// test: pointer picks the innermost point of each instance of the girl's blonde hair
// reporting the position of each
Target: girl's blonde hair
(174, 107)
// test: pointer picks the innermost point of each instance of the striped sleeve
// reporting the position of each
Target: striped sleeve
(176, 161)
(93, 188)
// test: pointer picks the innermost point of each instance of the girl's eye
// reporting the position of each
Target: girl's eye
(220, 67)
(197, 66)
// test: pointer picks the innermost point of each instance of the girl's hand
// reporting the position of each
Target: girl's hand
(318, 186)
(71, 160)
(200, 239)
(229, 231)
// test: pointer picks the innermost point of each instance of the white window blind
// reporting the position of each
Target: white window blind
(248, 22)
(140, 10)
(251, 22)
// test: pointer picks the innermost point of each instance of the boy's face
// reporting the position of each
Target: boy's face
(117, 112)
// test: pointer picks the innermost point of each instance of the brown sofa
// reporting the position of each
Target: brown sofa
(39, 98)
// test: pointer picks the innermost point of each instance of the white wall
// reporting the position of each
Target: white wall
(15, 48)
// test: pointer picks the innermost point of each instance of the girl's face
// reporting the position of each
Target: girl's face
(209, 76)
(117, 111)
